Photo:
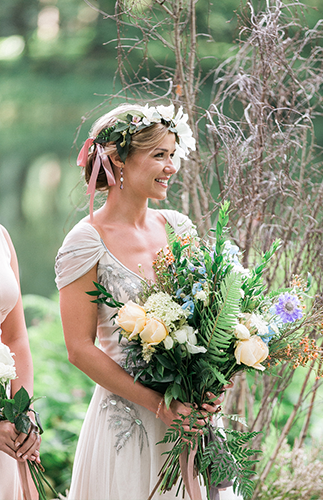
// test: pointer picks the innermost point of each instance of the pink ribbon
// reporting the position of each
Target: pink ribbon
(190, 479)
(101, 158)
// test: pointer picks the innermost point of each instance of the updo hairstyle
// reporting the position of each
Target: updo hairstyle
(145, 139)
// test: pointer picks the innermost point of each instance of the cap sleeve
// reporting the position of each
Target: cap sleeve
(80, 251)
(179, 222)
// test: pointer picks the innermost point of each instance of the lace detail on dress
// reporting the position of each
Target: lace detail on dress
(123, 417)
(117, 279)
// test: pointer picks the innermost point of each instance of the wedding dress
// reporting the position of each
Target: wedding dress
(9, 293)
(117, 457)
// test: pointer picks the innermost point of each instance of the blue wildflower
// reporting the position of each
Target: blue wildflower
(202, 269)
(179, 291)
(189, 305)
(230, 248)
(191, 267)
(288, 308)
(197, 287)
(268, 336)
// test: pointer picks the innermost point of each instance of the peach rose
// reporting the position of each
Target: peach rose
(251, 352)
(131, 318)
(153, 332)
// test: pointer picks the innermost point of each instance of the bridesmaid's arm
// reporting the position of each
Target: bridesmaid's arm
(15, 336)
(79, 318)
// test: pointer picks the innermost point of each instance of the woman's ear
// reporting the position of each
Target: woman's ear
(115, 159)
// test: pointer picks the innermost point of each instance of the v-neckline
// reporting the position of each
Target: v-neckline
(118, 261)
(115, 258)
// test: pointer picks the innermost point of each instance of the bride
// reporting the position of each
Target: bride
(132, 153)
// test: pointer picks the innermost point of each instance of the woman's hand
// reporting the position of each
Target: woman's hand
(176, 411)
(27, 445)
(8, 435)
(212, 406)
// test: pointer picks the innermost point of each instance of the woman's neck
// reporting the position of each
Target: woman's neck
(119, 210)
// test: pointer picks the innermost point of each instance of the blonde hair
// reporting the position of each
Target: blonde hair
(145, 139)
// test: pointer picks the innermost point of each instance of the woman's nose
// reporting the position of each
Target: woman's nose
(170, 168)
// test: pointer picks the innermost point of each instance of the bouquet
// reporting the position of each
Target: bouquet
(16, 411)
(204, 319)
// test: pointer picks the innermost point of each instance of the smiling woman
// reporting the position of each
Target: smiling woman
(132, 152)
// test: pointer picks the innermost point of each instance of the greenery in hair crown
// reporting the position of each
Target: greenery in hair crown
(128, 124)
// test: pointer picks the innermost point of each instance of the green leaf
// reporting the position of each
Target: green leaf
(2, 392)
(2, 402)
(22, 423)
(167, 363)
(8, 410)
(227, 301)
(22, 400)
(94, 292)
(160, 369)
(176, 390)
(168, 396)
(38, 422)
(171, 235)
(178, 355)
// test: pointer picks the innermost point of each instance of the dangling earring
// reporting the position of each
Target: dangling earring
(121, 178)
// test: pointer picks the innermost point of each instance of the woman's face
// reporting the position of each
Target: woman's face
(146, 173)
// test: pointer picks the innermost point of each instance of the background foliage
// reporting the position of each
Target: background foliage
(58, 64)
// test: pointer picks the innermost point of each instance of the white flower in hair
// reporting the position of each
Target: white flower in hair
(184, 132)
(177, 158)
(166, 112)
(151, 115)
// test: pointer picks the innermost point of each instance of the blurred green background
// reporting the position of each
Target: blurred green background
(56, 67)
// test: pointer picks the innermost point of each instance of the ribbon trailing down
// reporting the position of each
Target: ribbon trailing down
(100, 159)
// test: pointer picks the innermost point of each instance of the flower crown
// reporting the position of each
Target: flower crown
(128, 124)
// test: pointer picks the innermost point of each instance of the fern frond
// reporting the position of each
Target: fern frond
(170, 234)
(227, 299)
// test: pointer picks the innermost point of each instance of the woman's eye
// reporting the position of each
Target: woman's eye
(159, 155)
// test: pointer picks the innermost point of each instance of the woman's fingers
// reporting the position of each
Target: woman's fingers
(27, 446)
(213, 405)
(8, 435)
(230, 385)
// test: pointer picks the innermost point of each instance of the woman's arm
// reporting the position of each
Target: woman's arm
(15, 336)
(79, 318)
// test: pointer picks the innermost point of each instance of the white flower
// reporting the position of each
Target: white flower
(191, 343)
(179, 116)
(195, 349)
(183, 333)
(241, 332)
(184, 132)
(166, 112)
(151, 115)
(238, 268)
(258, 322)
(274, 327)
(7, 368)
(161, 306)
(7, 373)
(231, 249)
(177, 158)
(168, 342)
(201, 295)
